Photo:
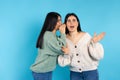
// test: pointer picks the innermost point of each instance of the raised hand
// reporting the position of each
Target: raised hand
(97, 38)
(62, 28)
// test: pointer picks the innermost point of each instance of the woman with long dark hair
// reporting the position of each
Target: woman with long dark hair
(49, 47)
(85, 51)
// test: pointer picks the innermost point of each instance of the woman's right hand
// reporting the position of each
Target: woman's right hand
(62, 28)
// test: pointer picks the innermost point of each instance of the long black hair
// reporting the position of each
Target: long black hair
(66, 18)
(49, 24)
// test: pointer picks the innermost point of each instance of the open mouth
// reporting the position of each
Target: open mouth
(71, 26)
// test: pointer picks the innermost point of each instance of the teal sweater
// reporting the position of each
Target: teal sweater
(47, 57)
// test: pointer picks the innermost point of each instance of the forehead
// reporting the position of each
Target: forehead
(71, 17)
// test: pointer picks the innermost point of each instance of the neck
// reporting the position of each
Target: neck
(73, 34)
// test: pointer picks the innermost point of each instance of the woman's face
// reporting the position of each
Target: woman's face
(72, 23)
(59, 22)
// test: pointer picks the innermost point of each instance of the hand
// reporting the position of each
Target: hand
(62, 28)
(99, 37)
(65, 49)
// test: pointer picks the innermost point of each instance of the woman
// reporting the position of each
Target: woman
(84, 51)
(49, 47)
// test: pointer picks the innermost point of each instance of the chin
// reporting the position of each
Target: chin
(71, 30)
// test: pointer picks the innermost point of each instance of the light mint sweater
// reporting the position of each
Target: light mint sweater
(47, 57)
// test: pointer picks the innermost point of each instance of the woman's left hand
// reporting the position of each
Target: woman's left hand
(98, 37)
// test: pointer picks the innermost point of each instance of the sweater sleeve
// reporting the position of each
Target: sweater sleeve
(96, 50)
(64, 60)
(62, 39)
(55, 45)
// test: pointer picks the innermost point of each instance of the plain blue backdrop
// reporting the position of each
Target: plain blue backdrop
(20, 25)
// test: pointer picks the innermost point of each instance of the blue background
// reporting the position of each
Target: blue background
(21, 21)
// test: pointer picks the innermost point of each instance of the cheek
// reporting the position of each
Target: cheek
(76, 25)
(68, 24)
(58, 24)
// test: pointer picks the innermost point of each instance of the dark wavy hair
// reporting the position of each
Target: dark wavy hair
(49, 24)
(66, 18)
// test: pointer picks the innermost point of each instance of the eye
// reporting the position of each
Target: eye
(74, 20)
(68, 20)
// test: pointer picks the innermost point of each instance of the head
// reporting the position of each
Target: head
(52, 22)
(72, 22)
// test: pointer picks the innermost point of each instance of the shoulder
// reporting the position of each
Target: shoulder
(88, 34)
(82, 33)
(48, 34)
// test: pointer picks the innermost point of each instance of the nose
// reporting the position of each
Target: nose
(71, 22)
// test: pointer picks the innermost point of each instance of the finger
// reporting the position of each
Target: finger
(67, 45)
(95, 34)
(59, 28)
(102, 34)
(63, 49)
(64, 25)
